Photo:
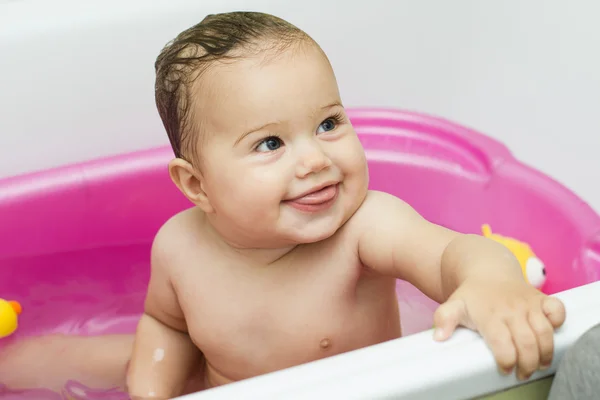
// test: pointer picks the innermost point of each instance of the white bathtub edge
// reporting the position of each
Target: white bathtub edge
(462, 367)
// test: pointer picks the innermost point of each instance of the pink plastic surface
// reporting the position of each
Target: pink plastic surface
(74, 241)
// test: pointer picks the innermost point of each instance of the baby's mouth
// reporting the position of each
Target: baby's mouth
(315, 200)
(318, 196)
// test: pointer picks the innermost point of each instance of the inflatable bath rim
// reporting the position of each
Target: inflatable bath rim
(9, 317)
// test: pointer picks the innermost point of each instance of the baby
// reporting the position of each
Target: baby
(286, 257)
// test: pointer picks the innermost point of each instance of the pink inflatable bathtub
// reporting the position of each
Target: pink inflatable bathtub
(74, 241)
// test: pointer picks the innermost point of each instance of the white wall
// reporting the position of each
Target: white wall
(76, 77)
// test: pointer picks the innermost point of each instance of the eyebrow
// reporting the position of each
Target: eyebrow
(336, 103)
(243, 135)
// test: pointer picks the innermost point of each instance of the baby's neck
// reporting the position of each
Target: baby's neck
(261, 257)
(253, 255)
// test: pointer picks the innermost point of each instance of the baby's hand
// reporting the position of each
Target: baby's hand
(516, 320)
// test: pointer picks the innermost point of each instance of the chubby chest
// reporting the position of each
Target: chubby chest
(250, 322)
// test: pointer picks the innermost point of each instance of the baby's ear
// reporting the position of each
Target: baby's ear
(190, 182)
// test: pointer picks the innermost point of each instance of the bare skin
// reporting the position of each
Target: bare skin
(264, 318)
(50, 361)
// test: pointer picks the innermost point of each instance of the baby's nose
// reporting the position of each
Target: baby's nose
(313, 162)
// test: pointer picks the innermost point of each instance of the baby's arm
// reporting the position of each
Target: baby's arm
(163, 353)
(479, 281)
(395, 240)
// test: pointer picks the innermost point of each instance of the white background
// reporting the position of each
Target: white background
(76, 77)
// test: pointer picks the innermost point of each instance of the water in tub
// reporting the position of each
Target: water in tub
(80, 310)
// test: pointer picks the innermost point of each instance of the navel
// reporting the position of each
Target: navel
(325, 343)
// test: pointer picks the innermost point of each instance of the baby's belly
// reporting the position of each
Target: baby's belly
(275, 349)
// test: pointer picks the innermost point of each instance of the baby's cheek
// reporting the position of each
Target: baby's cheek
(257, 188)
(258, 194)
(356, 172)
(356, 161)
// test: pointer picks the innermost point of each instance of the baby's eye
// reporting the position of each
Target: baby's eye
(328, 125)
(269, 144)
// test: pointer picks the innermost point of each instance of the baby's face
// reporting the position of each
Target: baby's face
(280, 161)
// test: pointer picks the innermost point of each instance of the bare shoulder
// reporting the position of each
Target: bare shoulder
(176, 232)
(170, 249)
(380, 208)
(376, 199)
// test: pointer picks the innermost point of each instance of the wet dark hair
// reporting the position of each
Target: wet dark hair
(217, 38)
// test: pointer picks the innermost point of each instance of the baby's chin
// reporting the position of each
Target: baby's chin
(318, 229)
(314, 238)
(312, 234)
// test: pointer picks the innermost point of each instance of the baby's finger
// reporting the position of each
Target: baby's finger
(528, 354)
(499, 339)
(446, 318)
(554, 309)
(545, 337)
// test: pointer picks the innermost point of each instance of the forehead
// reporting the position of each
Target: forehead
(253, 90)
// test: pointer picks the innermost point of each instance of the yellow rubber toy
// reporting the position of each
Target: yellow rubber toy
(533, 268)
(9, 317)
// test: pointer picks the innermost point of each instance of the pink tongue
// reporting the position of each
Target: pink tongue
(317, 197)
